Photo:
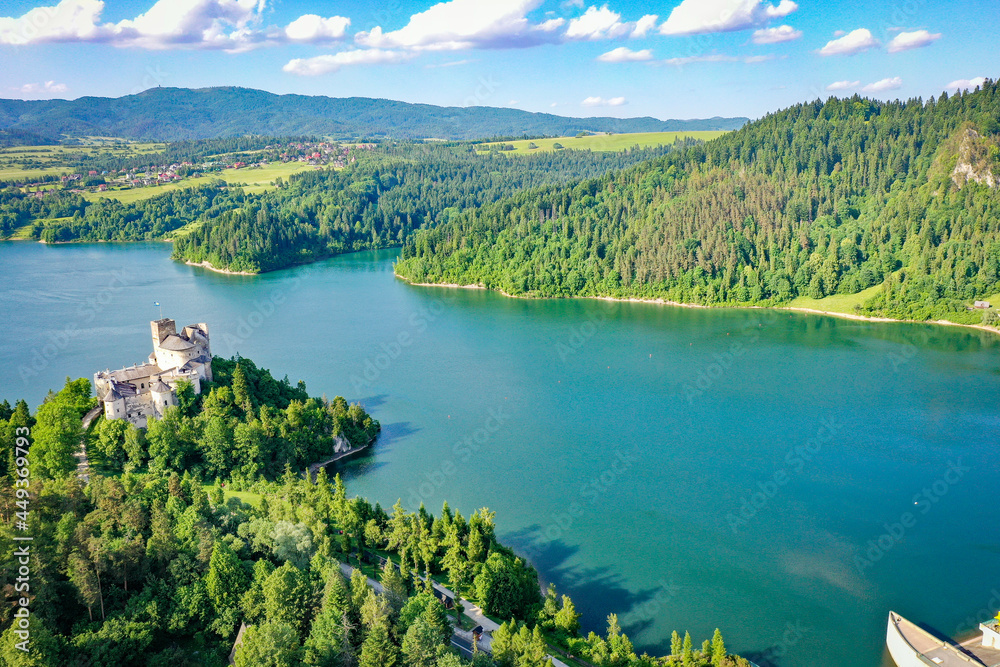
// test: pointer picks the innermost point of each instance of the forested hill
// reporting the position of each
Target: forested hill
(174, 114)
(818, 199)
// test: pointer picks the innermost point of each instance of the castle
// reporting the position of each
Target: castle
(142, 391)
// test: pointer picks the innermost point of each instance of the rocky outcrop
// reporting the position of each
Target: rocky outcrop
(975, 160)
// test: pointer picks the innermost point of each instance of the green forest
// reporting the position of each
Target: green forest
(375, 202)
(379, 202)
(198, 526)
(819, 199)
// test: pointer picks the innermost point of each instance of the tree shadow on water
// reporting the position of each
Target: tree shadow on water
(371, 402)
(393, 433)
(596, 591)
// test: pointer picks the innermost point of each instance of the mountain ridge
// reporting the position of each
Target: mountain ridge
(175, 114)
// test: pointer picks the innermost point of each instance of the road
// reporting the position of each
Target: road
(460, 639)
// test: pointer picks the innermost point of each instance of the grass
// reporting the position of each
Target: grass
(22, 234)
(249, 497)
(836, 303)
(27, 162)
(605, 142)
(257, 179)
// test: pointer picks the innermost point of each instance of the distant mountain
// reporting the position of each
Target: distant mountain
(174, 114)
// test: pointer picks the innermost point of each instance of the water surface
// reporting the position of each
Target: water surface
(617, 442)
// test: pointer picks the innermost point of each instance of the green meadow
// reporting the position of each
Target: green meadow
(254, 180)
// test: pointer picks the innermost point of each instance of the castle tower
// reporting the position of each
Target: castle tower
(162, 329)
(114, 405)
(163, 396)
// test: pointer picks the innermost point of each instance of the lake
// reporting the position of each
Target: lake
(789, 478)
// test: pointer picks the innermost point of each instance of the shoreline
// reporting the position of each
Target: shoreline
(207, 265)
(677, 304)
(454, 285)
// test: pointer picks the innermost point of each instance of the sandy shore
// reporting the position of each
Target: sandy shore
(664, 302)
(207, 265)
(442, 284)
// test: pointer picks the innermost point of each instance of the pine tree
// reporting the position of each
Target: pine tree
(226, 581)
(718, 649)
(378, 649)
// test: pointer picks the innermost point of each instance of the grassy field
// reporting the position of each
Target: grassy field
(257, 180)
(836, 303)
(605, 142)
(23, 162)
(246, 496)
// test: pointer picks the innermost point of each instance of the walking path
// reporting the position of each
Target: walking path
(470, 610)
(82, 465)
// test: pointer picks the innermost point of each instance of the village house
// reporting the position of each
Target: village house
(141, 391)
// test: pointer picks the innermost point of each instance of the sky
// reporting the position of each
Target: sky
(623, 58)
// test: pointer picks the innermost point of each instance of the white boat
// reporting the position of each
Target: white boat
(912, 646)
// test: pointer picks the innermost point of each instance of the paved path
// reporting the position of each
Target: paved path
(460, 639)
(82, 464)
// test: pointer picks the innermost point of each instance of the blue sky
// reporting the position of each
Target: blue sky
(669, 59)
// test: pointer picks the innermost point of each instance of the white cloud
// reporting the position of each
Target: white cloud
(716, 58)
(331, 63)
(221, 24)
(699, 16)
(783, 33)
(601, 102)
(644, 25)
(465, 24)
(843, 85)
(883, 85)
(625, 55)
(597, 24)
(550, 25)
(912, 40)
(69, 21)
(233, 25)
(853, 42)
(966, 84)
(47, 87)
(451, 63)
(604, 23)
(313, 28)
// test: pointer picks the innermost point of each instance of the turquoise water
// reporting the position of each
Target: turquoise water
(786, 477)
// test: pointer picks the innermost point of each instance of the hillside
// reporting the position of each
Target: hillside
(174, 114)
(819, 199)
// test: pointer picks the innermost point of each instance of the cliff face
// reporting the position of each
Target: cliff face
(977, 160)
